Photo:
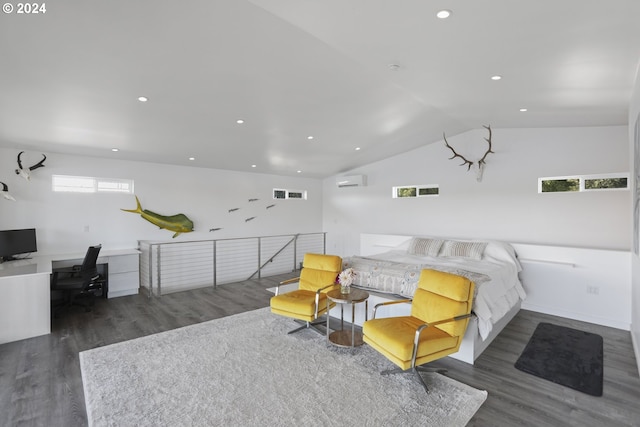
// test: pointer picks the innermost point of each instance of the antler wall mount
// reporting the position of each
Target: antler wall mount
(481, 163)
(26, 172)
(5, 192)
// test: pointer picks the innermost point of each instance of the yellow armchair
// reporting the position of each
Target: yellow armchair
(440, 311)
(309, 301)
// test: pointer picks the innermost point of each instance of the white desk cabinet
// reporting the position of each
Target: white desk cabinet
(25, 297)
(25, 309)
(124, 277)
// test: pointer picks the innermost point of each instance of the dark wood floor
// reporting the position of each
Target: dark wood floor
(41, 385)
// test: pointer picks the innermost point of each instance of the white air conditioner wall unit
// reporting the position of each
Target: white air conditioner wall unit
(351, 181)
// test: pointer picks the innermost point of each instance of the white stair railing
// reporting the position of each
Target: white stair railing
(167, 267)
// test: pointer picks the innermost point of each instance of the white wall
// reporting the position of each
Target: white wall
(504, 206)
(634, 114)
(204, 195)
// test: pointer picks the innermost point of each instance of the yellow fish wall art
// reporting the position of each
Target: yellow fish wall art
(178, 223)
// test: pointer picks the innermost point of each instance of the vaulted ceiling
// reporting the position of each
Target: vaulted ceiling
(366, 79)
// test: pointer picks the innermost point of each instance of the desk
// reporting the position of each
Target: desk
(345, 337)
(121, 265)
(25, 297)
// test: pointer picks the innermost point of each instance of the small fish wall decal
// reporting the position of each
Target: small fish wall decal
(251, 201)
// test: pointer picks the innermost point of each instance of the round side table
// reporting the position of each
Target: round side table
(345, 337)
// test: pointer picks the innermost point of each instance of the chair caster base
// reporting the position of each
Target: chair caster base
(309, 325)
(416, 370)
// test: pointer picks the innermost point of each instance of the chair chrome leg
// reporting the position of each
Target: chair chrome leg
(416, 370)
(427, 369)
(422, 381)
(305, 326)
(310, 325)
(393, 371)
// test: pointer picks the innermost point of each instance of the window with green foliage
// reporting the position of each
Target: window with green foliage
(605, 183)
(415, 191)
(406, 192)
(619, 181)
(558, 185)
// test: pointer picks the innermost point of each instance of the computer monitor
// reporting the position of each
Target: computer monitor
(17, 242)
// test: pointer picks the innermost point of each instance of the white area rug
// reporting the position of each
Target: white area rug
(244, 370)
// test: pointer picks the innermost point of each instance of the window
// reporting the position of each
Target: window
(415, 191)
(615, 181)
(88, 184)
(289, 194)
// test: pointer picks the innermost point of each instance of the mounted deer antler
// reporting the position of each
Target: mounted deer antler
(466, 162)
(469, 163)
(26, 173)
(481, 161)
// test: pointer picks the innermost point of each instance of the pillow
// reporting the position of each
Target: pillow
(453, 248)
(426, 247)
(501, 252)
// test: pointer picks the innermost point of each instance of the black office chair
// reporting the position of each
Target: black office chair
(78, 284)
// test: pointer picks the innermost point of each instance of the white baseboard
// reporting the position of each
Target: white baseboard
(116, 294)
(598, 320)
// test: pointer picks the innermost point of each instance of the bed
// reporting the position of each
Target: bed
(389, 266)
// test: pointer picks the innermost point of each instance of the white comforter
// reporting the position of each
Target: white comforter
(498, 288)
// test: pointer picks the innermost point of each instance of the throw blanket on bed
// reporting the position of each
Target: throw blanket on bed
(399, 278)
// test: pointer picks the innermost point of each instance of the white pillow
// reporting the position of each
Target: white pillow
(501, 252)
(424, 247)
(453, 248)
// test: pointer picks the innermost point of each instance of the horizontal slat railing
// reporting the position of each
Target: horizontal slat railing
(176, 266)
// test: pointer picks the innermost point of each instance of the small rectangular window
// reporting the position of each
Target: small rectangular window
(428, 191)
(552, 185)
(289, 194)
(88, 184)
(115, 185)
(614, 181)
(73, 184)
(605, 183)
(406, 192)
(415, 191)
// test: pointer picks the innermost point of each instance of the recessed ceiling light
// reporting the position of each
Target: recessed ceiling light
(299, 171)
(192, 158)
(239, 121)
(523, 110)
(115, 149)
(310, 137)
(496, 77)
(254, 166)
(443, 14)
(143, 99)
(357, 148)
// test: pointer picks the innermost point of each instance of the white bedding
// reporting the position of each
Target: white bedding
(498, 288)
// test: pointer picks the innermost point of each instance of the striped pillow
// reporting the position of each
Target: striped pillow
(428, 247)
(472, 250)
